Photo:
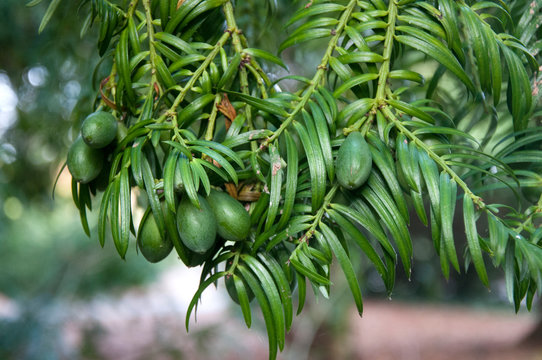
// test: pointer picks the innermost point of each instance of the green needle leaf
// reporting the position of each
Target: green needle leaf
(48, 13)
(448, 193)
(345, 264)
(475, 250)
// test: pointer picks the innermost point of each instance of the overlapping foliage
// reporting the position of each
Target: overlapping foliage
(445, 93)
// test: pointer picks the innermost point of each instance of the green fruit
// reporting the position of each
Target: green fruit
(232, 291)
(99, 129)
(84, 162)
(197, 227)
(232, 219)
(152, 245)
(354, 161)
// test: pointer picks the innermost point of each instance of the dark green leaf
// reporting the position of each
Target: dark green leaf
(360, 57)
(448, 194)
(409, 165)
(154, 201)
(219, 159)
(345, 264)
(221, 148)
(394, 222)
(276, 175)
(322, 130)
(102, 216)
(243, 299)
(316, 165)
(230, 72)
(407, 75)
(315, 9)
(343, 71)
(362, 214)
(202, 7)
(190, 113)
(431, 176)
(180, 14)
(272, 294)
(307, 271)
(434, 49)
(125, 214)
(163, 73)
(355, 81)
(362, 242)
(355, 110)
(245, 137)
(417, 201)
(411, 110)
(48, 13)
(475, 251)
(188, 180)
(282, 284)
(169, 179)
(268, 315)
(311, 34)
(84, 198)
(122, 59)
(204, 285)
(384, 161)
(498, 237)
(199, 171)
(291, 180)
(518, 84)
(262, 54)
(260, 104)
(301, 292)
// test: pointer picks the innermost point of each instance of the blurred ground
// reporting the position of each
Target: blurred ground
(399, 331)
(148, 323)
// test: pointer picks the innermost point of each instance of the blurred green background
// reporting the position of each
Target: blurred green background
(64, 297)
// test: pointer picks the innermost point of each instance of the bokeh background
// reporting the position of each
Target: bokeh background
(64, 297)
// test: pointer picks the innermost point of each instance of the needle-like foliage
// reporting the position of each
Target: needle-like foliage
(444, 93)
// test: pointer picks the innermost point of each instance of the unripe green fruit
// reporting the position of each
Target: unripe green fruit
(84, 162)
(152, 245)
(354, 161)
(99, 129)
(232, 219)
(197, 227)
